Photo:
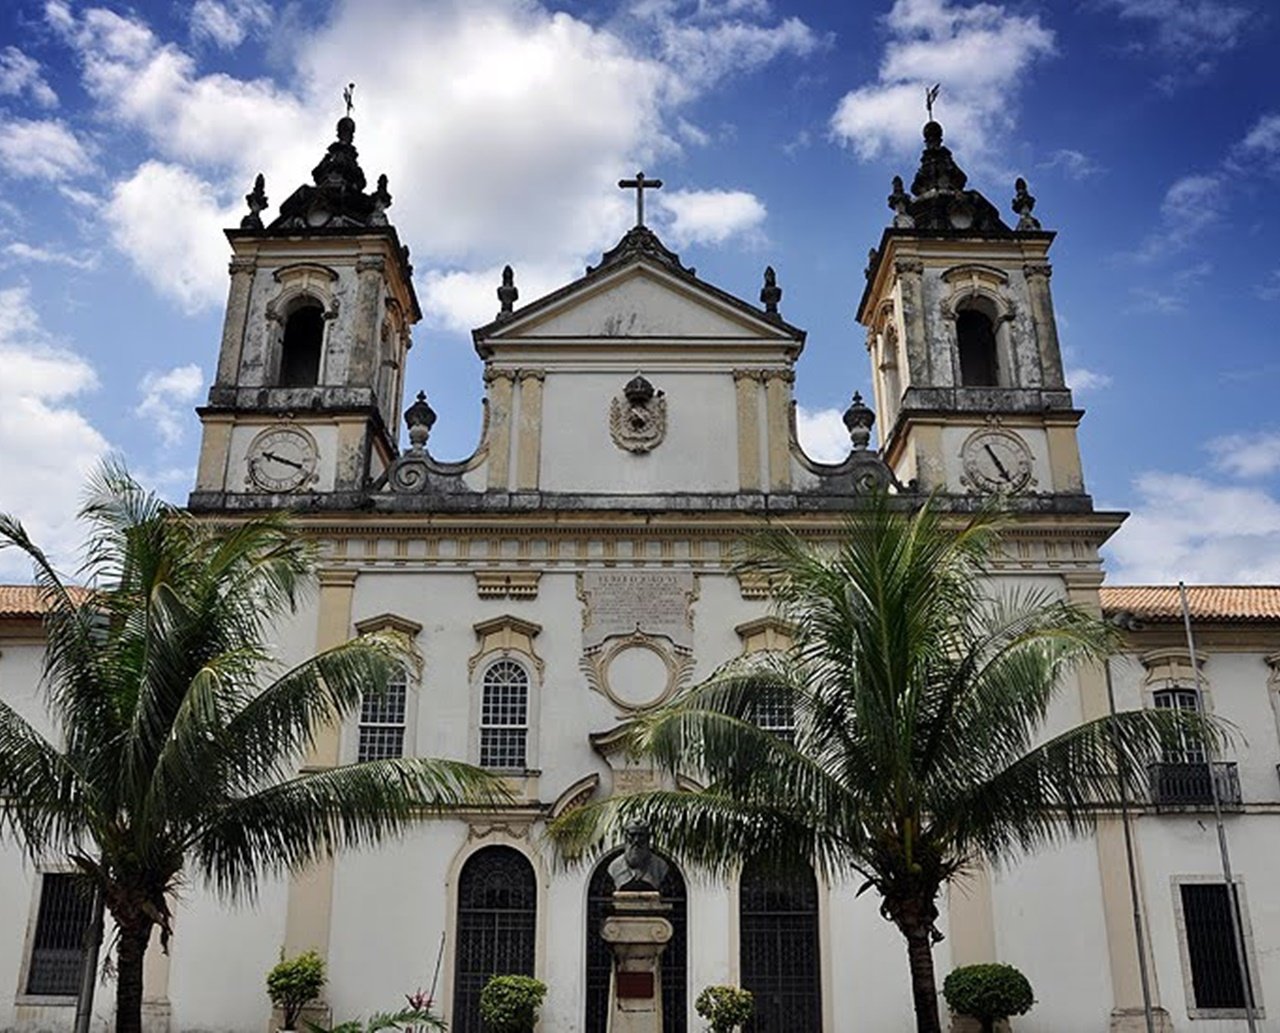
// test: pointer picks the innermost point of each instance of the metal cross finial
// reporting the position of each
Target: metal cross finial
(348, 95)
(930, 95)
(640, 185)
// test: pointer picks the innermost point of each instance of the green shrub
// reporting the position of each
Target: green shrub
(294, 983)
(509, 1004)
(988, 993)
(725, 1007)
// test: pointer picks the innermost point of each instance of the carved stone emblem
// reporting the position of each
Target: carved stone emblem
(638, 417)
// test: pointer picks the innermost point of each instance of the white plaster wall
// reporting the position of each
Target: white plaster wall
(578, 454)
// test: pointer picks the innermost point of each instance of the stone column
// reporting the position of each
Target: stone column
(529, 431)
(1046, 326)
(637, 933)
(500, 383)
(746, 382)
(362, 356)
(233, 324)
(777, 397)
(910, 273)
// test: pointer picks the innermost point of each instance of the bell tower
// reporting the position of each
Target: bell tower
(963, 342)
(310, 372)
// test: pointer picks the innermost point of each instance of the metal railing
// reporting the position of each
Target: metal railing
(1193, 784)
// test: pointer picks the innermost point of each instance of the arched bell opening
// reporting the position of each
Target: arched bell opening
(302, 345)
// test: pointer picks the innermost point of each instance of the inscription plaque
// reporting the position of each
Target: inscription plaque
(621, 602)
(635, 986)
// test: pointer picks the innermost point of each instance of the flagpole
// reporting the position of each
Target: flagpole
(1237, 934)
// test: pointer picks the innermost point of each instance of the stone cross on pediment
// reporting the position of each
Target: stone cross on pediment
(640, 184)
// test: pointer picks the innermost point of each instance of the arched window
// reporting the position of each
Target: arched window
(382, 721)
(600, 961)
(302, 345)
(779, 948)
(504, 717)
(976, 342)
(496, 932)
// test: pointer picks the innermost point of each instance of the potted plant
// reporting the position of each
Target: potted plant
(293, 984)
(988, 993)
(726, 1007)
(509, 1004)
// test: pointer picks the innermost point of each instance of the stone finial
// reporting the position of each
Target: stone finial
(420, 418)
(381, 199)
(770, 293)
(858, 420)
(507, 293)
(900, 202)
(257, 202)
(873, 256)
(1023, 204)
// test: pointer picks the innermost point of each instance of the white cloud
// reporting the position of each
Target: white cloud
(41, 149)
(1074, 164)
(712, 216)
(167, 397)
(981, 52)
(1187, 28)
(169, 223)
(1192, 204)
(20, 74)
(47, 447)
(23, 252)
(822, 434)
(504, 78)
(1082, 379)
(1247, 455)
(227, 24)
(463, 299)
(1197, 530)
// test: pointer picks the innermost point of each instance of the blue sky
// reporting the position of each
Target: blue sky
(1148, 129)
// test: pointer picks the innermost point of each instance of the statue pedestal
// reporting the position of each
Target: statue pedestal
(637, 933)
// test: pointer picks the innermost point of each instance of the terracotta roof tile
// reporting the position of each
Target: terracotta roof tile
(1206, 602)
(25, 601)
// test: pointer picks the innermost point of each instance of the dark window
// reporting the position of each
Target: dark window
(976, 340)
(779, 948)
(57, 951)
(300, 352)
(1186, 748)
(771, 710)
(497, 919)
(1211, 946)
(382, 721)
(674, 958)
(504, 717)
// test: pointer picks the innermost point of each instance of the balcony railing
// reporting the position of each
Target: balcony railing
(1193, 784)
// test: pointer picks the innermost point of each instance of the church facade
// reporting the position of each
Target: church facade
(576, 569)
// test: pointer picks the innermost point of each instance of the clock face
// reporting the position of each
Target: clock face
(282, 459)
(996, 460)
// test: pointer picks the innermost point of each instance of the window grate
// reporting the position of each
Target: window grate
(57, 950)
(779, 949)
(771, 711)
(1211, 947)
(504, 717)
(382, 721)
(497, 922)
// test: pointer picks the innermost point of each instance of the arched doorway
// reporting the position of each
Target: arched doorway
(674, 958)
(496, 930)
(779, 949)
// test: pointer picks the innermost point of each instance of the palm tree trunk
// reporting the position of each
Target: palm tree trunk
(132, 948)
(924, 988)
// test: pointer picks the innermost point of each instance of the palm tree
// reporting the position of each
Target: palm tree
(178, 737)
(918, 699)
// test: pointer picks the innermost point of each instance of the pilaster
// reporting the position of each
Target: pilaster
(972, 927)
(500, 386)
(910, 275)
(1046, 326)
(747, 384)
(777, 389)
(236, 318)
(529, 433)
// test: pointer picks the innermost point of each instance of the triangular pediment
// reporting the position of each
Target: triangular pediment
(640, 300)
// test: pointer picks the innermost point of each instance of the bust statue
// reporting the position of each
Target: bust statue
(637, 867)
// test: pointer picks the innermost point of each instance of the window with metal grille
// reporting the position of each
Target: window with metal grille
(382, 720)
(504, 716)
(779, 948)
(57, 949)
(772, 711)
(1187, 748)
(600, 960)
(1211, 946)
(497, 922)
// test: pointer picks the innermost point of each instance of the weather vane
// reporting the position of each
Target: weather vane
(348, 95)
(930, 95)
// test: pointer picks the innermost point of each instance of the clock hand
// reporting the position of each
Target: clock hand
(996, 459)
(281, 459)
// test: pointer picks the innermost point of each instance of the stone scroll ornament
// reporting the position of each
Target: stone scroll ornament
(638, 417)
